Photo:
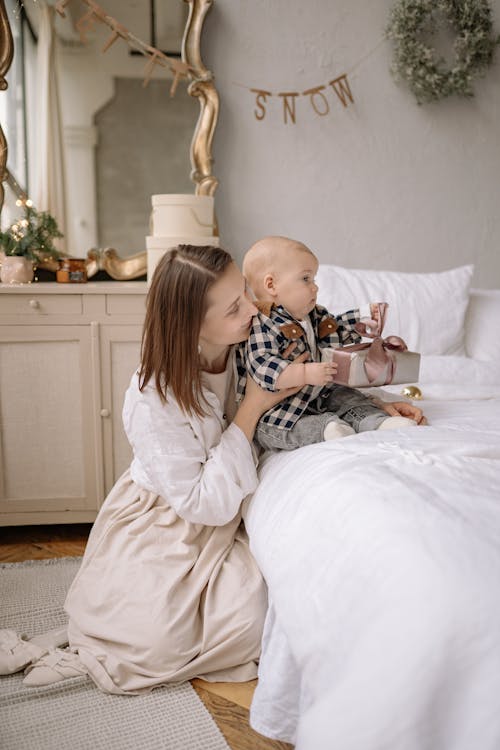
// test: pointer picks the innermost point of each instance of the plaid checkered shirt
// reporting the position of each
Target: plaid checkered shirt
(261, 356)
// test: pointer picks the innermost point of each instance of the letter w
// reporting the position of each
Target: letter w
(341, 87)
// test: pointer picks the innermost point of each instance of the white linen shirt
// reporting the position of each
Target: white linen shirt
(201, 469)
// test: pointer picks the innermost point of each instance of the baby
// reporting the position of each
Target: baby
(281, 273)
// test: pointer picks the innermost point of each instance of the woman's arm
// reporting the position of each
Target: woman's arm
(174, 457)
(257, 401)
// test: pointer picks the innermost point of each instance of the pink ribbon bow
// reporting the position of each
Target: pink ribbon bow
(380, 354)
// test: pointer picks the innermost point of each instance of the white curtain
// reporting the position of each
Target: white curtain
(50, 191)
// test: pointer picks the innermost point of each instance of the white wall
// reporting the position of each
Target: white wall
(383, 184)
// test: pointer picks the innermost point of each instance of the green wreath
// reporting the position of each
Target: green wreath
(417, 63)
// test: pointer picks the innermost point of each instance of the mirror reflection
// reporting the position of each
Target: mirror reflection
(89, 134)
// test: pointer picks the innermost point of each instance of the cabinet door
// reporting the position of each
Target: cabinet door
(120, 356)
(47, 424)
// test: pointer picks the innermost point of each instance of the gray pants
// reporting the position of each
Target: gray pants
(334, 403)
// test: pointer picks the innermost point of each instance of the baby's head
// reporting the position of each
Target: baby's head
(282, 271)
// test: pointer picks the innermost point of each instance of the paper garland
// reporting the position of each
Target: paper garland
(96, 14)
(317, 99)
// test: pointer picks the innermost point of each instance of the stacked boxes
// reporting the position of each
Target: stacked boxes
(178, 219)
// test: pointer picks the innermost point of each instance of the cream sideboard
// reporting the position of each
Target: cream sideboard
(67, 352)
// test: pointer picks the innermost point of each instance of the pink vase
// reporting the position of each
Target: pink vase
(15, 269)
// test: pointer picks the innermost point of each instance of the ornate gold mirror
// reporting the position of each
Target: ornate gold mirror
(109, 251)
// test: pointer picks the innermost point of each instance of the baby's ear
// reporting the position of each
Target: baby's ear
(269, 284)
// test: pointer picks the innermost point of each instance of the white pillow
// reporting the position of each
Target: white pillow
(426, 309)
(481, 325)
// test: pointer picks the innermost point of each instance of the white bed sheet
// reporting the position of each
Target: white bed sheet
(382, 557)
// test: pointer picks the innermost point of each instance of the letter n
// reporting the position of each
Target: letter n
(289, 108)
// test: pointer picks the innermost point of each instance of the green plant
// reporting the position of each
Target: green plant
(31, 235)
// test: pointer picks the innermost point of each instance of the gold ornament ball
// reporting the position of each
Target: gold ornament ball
(413, 392)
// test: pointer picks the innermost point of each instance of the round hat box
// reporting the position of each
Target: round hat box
(179, 215)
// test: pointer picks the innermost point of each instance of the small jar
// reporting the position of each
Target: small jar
(72, 271)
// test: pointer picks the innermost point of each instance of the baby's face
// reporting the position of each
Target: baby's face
(295, 285)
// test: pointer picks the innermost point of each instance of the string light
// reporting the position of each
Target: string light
(27, 202)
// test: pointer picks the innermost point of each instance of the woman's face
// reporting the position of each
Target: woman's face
(229, 315)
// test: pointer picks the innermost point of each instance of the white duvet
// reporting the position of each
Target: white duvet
(382, 557)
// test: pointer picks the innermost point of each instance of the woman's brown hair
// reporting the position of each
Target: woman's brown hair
(176, 307)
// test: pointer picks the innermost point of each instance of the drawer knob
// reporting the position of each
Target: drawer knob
(105, 412)
(34, 303)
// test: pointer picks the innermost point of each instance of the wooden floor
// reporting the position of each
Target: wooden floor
(227, 702)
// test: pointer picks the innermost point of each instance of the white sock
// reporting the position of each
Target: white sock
(335, 430)
(394, 423)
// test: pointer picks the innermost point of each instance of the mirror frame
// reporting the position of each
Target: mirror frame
(201, 86)
(6, 55)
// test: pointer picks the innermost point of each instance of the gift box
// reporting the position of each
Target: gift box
(363, 365)
(382, 361)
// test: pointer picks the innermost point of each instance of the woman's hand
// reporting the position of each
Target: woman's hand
(403, 409)
(262, 400)
(257, 401)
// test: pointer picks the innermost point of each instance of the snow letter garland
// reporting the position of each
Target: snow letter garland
(317, 99)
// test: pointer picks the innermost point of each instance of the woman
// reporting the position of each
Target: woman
(168, 589)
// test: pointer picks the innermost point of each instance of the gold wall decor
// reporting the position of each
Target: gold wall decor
(6, 54)
(201, 86)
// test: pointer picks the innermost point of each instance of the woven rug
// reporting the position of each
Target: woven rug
(74, 714)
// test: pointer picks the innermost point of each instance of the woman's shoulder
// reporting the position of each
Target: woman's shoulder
(147, 394)
(144, 398)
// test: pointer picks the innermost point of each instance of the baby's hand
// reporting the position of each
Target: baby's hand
(320, 373)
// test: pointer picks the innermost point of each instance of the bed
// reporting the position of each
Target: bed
(382, 553)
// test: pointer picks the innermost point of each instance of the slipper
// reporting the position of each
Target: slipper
(55, 666)
(16, 651)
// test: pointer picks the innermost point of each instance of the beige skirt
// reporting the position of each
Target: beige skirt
(158, 599)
